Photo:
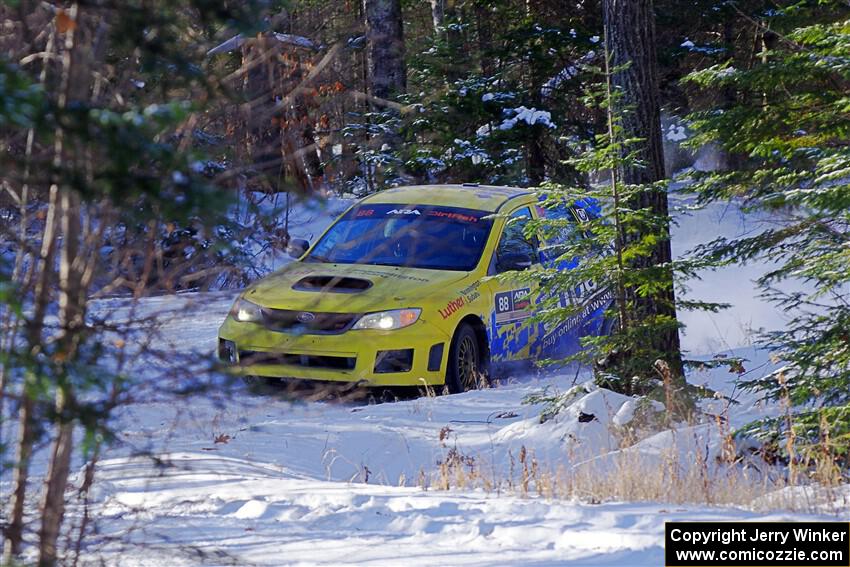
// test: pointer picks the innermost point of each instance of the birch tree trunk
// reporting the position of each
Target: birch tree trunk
(71, 311)
(72, 297)
(438, 14)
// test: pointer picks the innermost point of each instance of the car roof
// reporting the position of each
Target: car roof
(467, 195)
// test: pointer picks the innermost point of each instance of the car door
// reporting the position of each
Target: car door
(561, 339)
(511, 332)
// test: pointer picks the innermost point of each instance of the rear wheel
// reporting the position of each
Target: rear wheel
(466, 370)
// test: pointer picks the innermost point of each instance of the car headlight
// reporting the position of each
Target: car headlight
(388, 320)
(246, 312)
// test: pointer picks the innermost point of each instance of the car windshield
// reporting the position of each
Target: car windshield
(414, 236)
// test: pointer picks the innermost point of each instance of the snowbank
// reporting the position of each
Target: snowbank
(225, 511)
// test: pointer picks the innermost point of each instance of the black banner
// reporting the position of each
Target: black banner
(757, 544)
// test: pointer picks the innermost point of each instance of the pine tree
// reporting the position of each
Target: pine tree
(611, 251)
(494, 95)
(630, 42)
(789, 125)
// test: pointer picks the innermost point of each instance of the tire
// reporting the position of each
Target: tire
(466, 370)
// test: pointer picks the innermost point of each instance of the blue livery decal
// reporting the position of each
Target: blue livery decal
(513, 336)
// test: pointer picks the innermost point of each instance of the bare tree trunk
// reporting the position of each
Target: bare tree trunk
(386, 71)
(536, 168)
(536, 157)
(385, 32)
(312, 161)
(630, 39)
(26, 438)
(74, 85)
(42, 270)
(84, 494)
(53, 509)
(262, 137)
(15, 530)
(484, 23)
(71, 313)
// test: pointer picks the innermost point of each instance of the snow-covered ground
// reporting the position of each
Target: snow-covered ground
(242, 479)
(210, 509)
(233, 478)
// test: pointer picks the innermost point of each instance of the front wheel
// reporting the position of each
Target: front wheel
(465, 368)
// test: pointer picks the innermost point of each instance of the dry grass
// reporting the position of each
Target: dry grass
(674, 477)
(620, 476)
(809, 481)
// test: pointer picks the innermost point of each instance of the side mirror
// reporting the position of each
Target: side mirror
(513, 261)
(297, 247)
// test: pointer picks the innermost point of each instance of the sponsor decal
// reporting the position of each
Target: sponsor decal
(467, 295)
(580, 293)
(451, 215)
(392, 275)
(410, 210)
(601, 300)
(521, 298)
(513, 305)
(452, 307)
(471, 292)
(581, 214)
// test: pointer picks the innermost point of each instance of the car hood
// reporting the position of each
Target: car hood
(349, 288)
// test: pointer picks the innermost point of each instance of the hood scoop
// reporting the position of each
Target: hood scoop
(332, 284)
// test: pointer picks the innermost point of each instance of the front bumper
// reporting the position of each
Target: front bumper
(363, 356)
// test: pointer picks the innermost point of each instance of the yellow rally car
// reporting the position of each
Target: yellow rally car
(402, 290)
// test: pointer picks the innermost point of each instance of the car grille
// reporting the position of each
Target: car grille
(250, 357)
(307, 322)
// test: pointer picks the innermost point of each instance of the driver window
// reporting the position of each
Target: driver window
(515, 250)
